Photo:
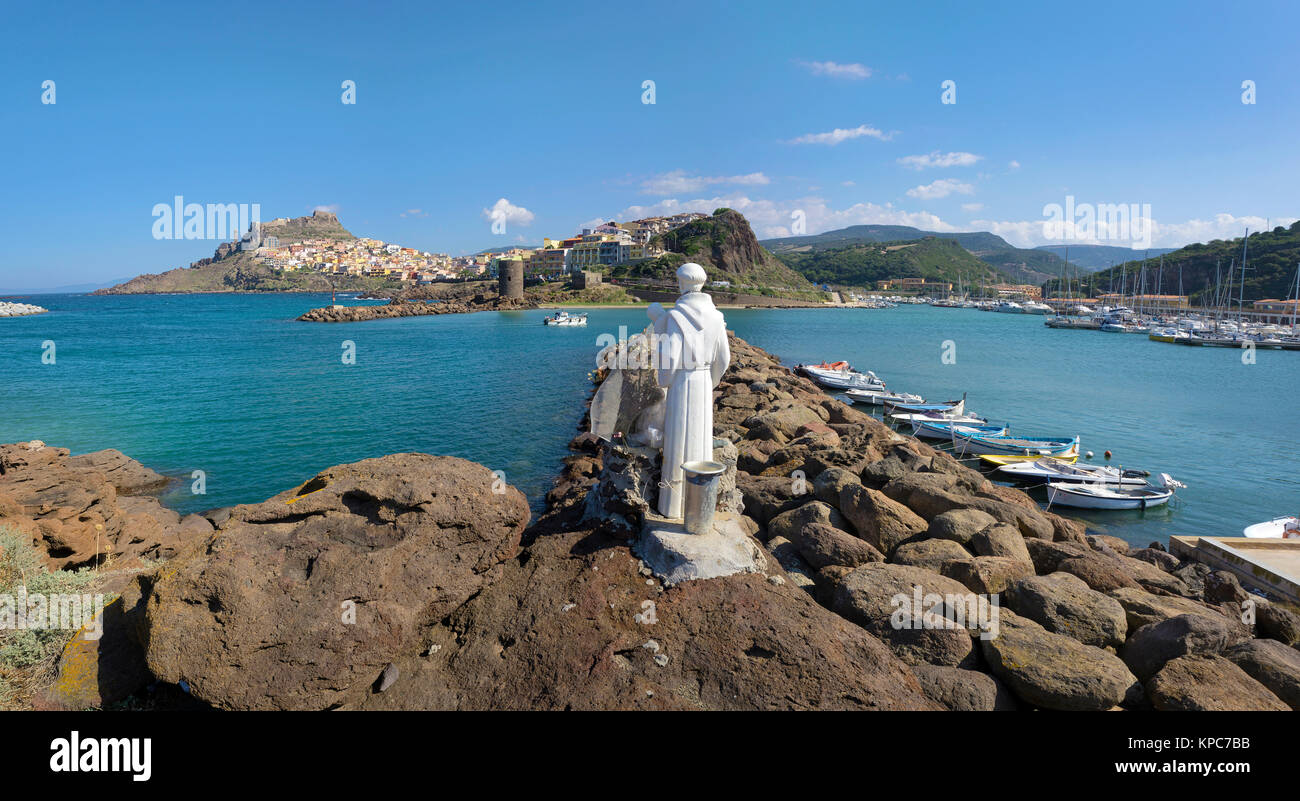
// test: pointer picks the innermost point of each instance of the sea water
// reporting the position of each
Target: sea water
(232, 390)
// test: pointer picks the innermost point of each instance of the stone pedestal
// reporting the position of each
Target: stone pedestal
(675, 555)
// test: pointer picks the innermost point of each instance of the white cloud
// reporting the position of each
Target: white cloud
(679, 182)
(332, 208)
(841, 135)
(772, 218)
(847, 183)
(940, 188)
(1013, 164)
(1031, 233)
(505, 210)
(937, 159)
(972, 206)
(414, 213)
(855, 72)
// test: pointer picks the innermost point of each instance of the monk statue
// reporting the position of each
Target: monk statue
(693, 354)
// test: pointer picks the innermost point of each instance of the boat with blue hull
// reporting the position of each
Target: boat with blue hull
(942, 429)
(1006, 445)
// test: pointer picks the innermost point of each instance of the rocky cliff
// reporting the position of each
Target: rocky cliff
(726, 247)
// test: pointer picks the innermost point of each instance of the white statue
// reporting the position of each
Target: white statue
(693, 354)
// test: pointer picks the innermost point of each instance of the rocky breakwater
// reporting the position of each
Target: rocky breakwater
(9, 309)
(399, 307)
(416, 582)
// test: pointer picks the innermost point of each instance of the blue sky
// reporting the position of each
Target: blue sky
(461, 105)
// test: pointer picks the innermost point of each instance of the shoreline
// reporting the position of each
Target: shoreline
(524, 599)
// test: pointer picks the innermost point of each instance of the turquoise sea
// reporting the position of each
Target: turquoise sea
(232, 385)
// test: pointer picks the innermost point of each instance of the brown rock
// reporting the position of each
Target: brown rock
(823, 545)
(259, 617)
(883, 522)
(1211, 684)
(988, 574)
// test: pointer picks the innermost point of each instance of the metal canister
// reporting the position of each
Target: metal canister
(700, 494)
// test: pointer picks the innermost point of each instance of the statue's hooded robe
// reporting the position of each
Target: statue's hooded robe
(693, 355)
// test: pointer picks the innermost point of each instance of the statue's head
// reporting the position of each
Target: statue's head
(691, 277)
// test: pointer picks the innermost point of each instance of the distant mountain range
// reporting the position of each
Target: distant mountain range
(1019, 265)
(66, 289)
(1099, 257)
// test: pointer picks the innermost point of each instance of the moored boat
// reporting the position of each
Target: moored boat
(1047, 469)
(1285, 527)
(942, 429)
(999, 460)
(1008, 445)
(840, 375)
(881, 397)
(1096, 496)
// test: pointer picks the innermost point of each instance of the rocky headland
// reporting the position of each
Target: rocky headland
(414, 581)
(414, 308)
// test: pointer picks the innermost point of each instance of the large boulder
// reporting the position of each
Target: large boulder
(931, 555)
(878, 519)
(789, 524)
(1272, 664)
(301, 601)
(1063, 603)
(1142, 608)
(1276, 623)
(1196, 683)
(1053, 671)
(961, 690)
(961, 526)
(1001, 540)
(1151, 646)
(881, 598)
(822, 545)
(988, 574)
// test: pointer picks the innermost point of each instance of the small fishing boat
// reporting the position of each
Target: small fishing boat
(1286, 527)
(563, 318)
(1008, 445)
(881, 397)
(998, 461)
(1095, 496)
(1047, 469)
(839, 375)
(942, 429)
(954, 408)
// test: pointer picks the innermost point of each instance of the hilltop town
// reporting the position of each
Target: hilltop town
(316, 254)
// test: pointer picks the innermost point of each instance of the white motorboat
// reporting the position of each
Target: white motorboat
(1284, 527)
(565, 319)
(1033, 307)
(938, 417)
(881, 397)
(1009, 307)
(1047, 470)
(839, 375)
(1028, 445)
(1097, 496)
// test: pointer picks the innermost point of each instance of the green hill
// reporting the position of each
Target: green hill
(726, 247)
(862, 265)
(1271, 261)
(1020, 265)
